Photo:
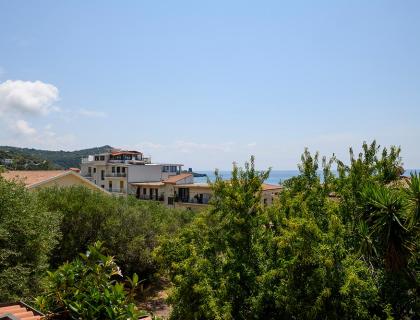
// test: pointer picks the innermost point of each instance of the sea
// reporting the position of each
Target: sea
(276, 176)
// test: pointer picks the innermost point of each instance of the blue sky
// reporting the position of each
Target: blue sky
(208, 83)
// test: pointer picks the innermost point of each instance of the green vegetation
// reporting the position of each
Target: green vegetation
(129, 228)
(34, 159)
(85, 289)
(14, 160)
(332, 246)
(28, 233)
(340, 247)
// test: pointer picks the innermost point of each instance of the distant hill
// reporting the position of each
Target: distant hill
(35, 159)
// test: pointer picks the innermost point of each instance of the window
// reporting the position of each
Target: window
(173, 168)
(102, 174)
(96, 158)
(103, 186)
(144, 191)
(184, 194)
(113, 169)
(94, 170)
(110, 185)
(123, 169)
(89, 170)
(165, 169)
(170, 200)
(102, 158)
(118, 169)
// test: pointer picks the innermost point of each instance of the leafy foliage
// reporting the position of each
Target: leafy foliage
(86, 289)
(339, 246)
(28, 233)
(129, 228)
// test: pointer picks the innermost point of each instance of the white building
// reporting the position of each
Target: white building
(128, 172)
(116, 170)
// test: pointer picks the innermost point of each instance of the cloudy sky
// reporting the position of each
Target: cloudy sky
(209, 83)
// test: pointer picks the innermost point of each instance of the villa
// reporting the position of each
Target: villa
(130, 173)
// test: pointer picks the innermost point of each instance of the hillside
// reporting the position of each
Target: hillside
(35, 159)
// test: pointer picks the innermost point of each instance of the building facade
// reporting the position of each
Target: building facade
(129, 173)
(116, 170)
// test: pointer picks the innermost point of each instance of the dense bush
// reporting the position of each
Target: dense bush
(28, 233)
(339, 246)
(129, 228)
(86, 289)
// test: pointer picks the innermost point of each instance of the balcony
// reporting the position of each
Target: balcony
(116, 174)
(112, 190)
(192, 200)
(148, 197)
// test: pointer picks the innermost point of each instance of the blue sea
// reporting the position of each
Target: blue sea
(276, 176)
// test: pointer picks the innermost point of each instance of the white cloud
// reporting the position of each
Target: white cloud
(23, 127)
(17, 96)
(92, 113)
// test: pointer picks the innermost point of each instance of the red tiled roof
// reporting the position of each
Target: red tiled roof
(19, 311)
(267, 187)
(117, 153)
(178, 177)
(31, 177)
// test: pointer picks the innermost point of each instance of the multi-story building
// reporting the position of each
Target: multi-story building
(116, 170)
(129, 172)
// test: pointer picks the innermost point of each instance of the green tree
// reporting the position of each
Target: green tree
(130, 228)
(28, 233)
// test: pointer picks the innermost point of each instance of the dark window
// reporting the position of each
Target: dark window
(144, 191)
(170, 200)
(102, 174)
(173, 168)
(102, 186)
(94, 170)
(184, 194)
(113, 169)
(102, 158)
(96, 158)
(123, 169)
(110, 185)
(118, 169)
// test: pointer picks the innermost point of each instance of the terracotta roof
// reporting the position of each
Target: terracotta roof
(175, 179)
(32, 177)
(117, 153)
(152, 184)
(195, 185)
(267, 187)
(19, 311)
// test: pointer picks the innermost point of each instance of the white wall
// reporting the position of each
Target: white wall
(144, 173)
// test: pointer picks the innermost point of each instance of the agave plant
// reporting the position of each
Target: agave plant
(413, 196)
(386, 208)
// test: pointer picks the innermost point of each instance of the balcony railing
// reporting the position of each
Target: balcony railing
(116, 174)
(114, 190)
(148, 197)
(192, 200)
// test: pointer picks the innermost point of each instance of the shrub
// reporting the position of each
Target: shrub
(28, 233)
(85, 289)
